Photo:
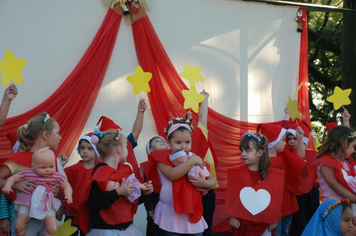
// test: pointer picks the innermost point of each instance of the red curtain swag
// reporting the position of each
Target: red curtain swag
(166, 101)
(72, 102)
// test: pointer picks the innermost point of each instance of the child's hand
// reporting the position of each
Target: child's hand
(7, 189)
(142, 106)
(196, 161)
(55, 189)
(234, 222)
(346, 115)
(299, 133)
(148, 188)
(63, 159)
(189, 116)
(286, 111)
(205, 94)
(125, 189)
(69, 199)
(271, 227)
(25, 186)
(11, 92)
(150, 213)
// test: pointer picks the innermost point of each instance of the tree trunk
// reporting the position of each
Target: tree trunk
(349, 57)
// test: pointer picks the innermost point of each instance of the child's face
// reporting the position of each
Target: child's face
(111, 185)
(179, 160)
(281, 144)
(292, 140)
(86, 151)
(54, 137)
(123, 153)
(181, 140)
(346, 222)
(350, 149)
(44, 164)
(251, 156)
(158, 144)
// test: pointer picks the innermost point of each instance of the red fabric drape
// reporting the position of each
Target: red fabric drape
(167, 101)
(72, 102)
(303, 93)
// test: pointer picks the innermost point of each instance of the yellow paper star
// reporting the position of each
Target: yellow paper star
(139, 81)
(11, 68)
(292, 106)
(66, 228)
(192, 74)
(340, 97)
(192, 99)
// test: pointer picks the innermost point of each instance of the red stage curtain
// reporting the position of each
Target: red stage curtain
(72, 102)
(167, 101)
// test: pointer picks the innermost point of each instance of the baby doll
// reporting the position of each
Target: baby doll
(179, 156)
(40, 204)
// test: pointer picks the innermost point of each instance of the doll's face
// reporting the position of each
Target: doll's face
(112, 185)
(44, 163)
(179, 160)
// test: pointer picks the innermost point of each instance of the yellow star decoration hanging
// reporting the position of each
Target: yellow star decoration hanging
(66, 229)
(11, 68)
(292, 106)
(192, 74)
(340, 97)
(139, 81)
(192, 99)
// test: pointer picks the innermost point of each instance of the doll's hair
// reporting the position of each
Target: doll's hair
(258, 142)
(28, 133)
(337, 141)
(109, 140)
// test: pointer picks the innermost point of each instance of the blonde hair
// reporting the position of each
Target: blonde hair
(110, 140)
(28, 133)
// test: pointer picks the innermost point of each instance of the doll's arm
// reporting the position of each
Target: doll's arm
(68, 191)
(328, 174)
(10, 182)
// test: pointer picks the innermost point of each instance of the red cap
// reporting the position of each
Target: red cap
(273, 133)
(330, 125)
(15, 144)
(107, 124)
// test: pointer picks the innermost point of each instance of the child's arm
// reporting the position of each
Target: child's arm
(177, 172)
(9, 94)
(234, 222)
(328, 174)
(301, 147)
(346, 118)
(10, 182)
(203, 110)
(137, 127)
(4, 214)
(68, 191)
(202, 184)
(285, 121)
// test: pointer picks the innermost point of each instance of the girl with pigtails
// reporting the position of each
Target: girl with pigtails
(115, 192)
(39, 132)
(254, 202)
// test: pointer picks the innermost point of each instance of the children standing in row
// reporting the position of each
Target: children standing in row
(254, 201)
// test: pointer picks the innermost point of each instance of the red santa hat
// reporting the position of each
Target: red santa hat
(305, 127)
(330, 125)
(15, 144)
(273, 133)
(107, 124)
(87, 137)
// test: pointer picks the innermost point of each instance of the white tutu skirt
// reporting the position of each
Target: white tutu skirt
(130, 231)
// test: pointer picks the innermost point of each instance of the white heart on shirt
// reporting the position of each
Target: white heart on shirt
(255, 202)
(346, 176)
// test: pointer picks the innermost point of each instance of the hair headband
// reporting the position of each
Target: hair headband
(176, 123)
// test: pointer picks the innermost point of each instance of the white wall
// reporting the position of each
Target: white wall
(248, 53)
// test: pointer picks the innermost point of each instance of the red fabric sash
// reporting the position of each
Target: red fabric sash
(79, 178)
(239, 178)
